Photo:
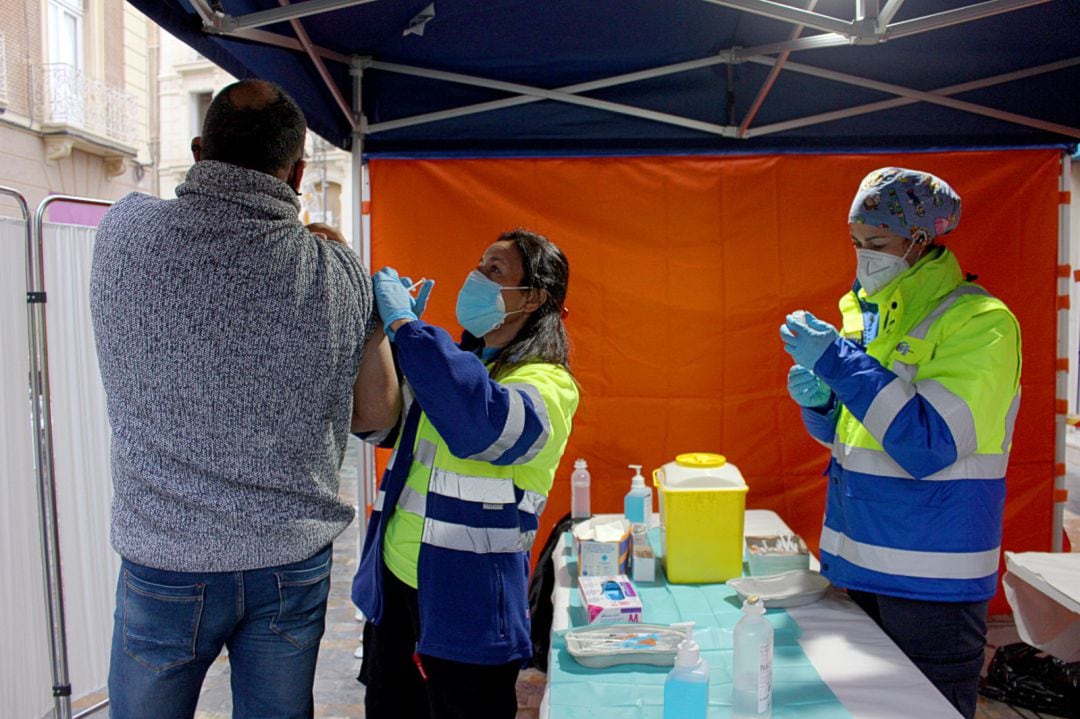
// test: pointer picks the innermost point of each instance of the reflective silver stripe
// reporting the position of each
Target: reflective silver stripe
(380, 497)
(908, 371)
(955, 411)
(390, 462)
(491, 490)
(526, 539)
(542, 415)
(412, 501)
(873, 461)
(425, 453)
(1010, 422)
(883, 410)
(532, 502)
(909, 563)
(479, 540)
(923, 327)
(511, 431)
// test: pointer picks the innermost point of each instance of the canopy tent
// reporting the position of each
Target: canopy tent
(634, 76)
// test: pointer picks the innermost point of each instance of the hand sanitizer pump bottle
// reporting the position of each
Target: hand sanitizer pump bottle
(638, 503)
(686, 689)
(752, 663)
(579, 491)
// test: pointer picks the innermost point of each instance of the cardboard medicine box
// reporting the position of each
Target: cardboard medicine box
(610, 599)
(602, 547)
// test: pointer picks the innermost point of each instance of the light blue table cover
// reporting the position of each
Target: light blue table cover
(635, 691)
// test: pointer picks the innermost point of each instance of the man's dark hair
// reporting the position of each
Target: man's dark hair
(254, 124)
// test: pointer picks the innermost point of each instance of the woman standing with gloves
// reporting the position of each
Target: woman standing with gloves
(916, 395)
(445, 565)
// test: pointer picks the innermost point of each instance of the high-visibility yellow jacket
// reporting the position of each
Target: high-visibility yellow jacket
(920, 427)
(459, 504)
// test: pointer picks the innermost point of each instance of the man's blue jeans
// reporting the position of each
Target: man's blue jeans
(169, 627)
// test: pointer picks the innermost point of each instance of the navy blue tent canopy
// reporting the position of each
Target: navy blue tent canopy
(656, 76)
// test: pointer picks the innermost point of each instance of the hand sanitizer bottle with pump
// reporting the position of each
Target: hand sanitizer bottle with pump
(752, 663)
(638, 503)
(686, 689)
(579, 492)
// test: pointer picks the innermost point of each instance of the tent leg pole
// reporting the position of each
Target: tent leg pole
(1064, 259)
(362, 243)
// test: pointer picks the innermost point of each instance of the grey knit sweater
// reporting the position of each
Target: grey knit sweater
(228, 338)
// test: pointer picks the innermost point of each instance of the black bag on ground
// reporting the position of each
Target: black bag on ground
(541, 585)
(1023, 676)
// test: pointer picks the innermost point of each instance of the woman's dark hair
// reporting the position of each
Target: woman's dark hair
(543, 337)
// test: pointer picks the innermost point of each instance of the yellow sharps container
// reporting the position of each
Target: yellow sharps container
(702, 503)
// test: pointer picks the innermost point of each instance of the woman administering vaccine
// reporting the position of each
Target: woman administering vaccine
(484, 422)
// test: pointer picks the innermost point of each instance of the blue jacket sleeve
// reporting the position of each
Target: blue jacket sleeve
(820, 422)
(479, 418)
(918, 438)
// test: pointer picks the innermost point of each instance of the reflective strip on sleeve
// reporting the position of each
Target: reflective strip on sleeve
(532, 502)
(526, 540)
(955, 411)
(479, 540)
(425, 453)
(892, 398)
(490, 490)
(380, 497)
(412, 502)
(511, 431)
(873, 461)
(542, 415)
(1010, 423)
(909, 563)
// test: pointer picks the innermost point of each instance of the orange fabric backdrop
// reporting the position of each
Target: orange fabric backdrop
(682, 269)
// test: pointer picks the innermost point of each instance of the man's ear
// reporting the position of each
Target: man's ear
(296, 176)
(196, 148)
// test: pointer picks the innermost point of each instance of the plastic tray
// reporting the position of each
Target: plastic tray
(610, 644)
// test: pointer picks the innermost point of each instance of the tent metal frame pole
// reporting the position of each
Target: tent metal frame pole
(901, 101)
(269, 17)
(513, 87)
(887, 13)
(787, 13)
(957, 16)
(41, 417)
(774, 73)
(365, 470)
(1063, 287)
(320, 66)
(919, 95)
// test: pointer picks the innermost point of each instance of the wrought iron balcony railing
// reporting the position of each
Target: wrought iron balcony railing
(67, 96)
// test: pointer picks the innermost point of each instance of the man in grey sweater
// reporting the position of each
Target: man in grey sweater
(237, 350)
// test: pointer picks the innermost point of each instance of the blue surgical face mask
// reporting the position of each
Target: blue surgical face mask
(480, 306)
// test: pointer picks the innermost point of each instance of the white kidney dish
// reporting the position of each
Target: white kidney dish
(786, 589)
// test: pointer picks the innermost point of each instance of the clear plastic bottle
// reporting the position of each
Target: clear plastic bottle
(637, 506)
(579, 491)
(686, 689)
(752, 663)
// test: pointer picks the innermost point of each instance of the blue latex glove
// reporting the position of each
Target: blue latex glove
(393, 298)
(806, 337)
(806, 388)
(419, 303)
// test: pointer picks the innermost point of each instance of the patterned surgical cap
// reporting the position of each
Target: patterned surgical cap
(909, 203)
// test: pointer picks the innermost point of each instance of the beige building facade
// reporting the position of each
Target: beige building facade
(77, 99)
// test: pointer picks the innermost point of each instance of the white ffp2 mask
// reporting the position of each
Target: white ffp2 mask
(876, 269)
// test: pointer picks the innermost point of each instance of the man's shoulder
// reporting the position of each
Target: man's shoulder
(131, 206)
